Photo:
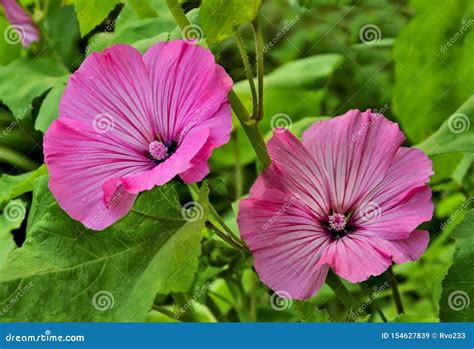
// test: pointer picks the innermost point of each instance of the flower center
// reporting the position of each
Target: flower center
(337, 222)
(158, 150)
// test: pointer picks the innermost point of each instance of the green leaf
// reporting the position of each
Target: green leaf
(220, 18)
(13, 186)
(309, 312)
(414, 318)
(432, 78)
(455, 135)
(12, 216)
(26, 79)
(91, 13)
(458, 285)
(111, 275)
(49, 110)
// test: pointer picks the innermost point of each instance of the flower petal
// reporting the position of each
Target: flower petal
(21, 21)
(293, 170)
(111, 93)
(286, 241)
(79, 161)
(356, 149)
(355, 257)
(406, 250)
(188, 86)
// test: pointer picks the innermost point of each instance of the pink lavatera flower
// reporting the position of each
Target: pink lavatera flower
(347, 197)
(22, 28)
(128, 123)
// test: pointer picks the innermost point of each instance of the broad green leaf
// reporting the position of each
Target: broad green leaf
(111, 275)
(220, 18)
(414, 318)
(11, 218)
(13, 186)
(49, 110)
(433, 65)
(309, 312)
(26, 79)
(91, 13)
(42, 199)
(455, 135)
(458, 285)
(304, 73)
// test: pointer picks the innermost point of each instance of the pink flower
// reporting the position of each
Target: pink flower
(128, 123)
(22, 26)
(347, 197)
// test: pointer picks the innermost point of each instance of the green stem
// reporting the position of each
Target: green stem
(178, 13)
(239, 176)
(239, 109)
(341, 291)
(248, 72)
(377, 307)
(229, 233)
(259, 58)
(163, 310)
(396, 294)
(223, 236)
(251, 129)
(17, 159)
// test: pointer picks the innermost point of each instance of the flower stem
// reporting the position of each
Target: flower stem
(16, 159)
(259, 58)
(249, 125)
(396, 294)
(250, 128)
(228, 235)
(248, 72)
(178, 13)
(341, 291)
